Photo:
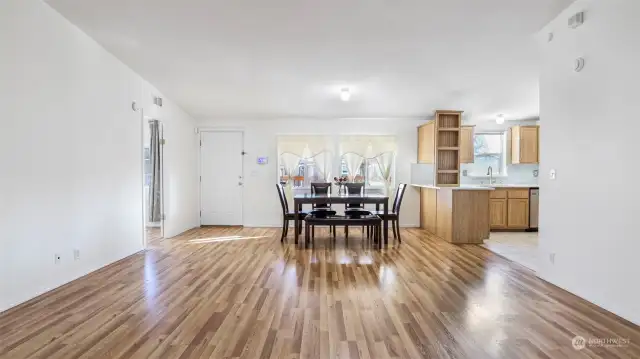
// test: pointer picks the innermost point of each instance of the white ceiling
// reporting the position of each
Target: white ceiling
(289, 58)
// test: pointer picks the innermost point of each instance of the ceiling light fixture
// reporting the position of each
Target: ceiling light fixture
(345, 94)
(500, 119)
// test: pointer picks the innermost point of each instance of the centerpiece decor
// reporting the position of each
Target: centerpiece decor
(340, 182)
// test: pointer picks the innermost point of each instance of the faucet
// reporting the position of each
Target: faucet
(490, 174)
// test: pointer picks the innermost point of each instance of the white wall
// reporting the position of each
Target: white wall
(70, 154)
(590, 123)
(261, 205)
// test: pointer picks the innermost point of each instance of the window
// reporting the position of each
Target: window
(489, 150)
(303, 159)
(368, 159)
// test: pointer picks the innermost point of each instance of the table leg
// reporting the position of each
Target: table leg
(385, 229)
(296, 220)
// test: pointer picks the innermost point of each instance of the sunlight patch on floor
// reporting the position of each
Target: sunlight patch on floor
(222, 239)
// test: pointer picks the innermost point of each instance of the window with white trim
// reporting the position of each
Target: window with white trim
(489, 150)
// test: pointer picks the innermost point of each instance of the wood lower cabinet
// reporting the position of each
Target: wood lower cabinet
(518, 213)
(498, 210)
(509, 209)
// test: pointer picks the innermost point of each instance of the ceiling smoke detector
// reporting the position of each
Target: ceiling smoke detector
(345, 94)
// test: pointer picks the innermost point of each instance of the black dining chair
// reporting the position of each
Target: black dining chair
(286, 215)
(354, 208)
(322, 188)
(354, 189)
(394, 215)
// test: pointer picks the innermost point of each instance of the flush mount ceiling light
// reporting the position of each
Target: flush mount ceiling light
(345, 94)
(500, 119)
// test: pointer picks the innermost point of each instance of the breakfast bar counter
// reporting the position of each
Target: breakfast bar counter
(457, 214)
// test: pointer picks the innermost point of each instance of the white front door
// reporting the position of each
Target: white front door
(221, 181)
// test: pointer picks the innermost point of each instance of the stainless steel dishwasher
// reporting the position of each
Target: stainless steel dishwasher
(534, 211)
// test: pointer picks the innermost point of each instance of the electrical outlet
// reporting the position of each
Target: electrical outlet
(76, 254)
(552, 174)
(57, 258)
(552, 258)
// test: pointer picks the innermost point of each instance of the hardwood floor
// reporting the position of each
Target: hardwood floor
(240, 293)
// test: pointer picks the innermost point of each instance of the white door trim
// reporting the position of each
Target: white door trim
(200, 132)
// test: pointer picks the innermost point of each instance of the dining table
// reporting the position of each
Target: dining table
(366, 198)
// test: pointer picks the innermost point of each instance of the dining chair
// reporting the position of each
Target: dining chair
(394, 215)
(322, 188)
(286, 215)
(354, 189)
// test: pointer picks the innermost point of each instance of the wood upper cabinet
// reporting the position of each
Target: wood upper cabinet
(524, 144)
(466, 144)
(518, 213)
(426, 143)
(498, 211)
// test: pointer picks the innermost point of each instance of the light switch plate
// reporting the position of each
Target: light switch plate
(552, 174)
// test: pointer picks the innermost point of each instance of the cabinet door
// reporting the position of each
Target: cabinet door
(426, 143)
(518, 213)
(529, 144)
(498, 211)
(466, 144)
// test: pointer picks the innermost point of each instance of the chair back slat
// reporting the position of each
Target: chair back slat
(399, 195)
(354, 188)
(283, 199)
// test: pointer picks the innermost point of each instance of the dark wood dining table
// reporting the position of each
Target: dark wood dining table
(377, 199)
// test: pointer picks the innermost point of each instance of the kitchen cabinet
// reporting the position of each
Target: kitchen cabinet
(509, 209)
(439, 145)
(518, 213)
(466, 144)
(525, 144)
(498, 210)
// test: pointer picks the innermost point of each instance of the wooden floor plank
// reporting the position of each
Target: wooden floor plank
(240, 293)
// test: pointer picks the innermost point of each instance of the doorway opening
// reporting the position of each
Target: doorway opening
(153, 168)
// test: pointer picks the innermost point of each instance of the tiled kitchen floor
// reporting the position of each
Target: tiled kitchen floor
(520, 247)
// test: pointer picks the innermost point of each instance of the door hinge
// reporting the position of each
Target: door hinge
(200, 143)
(163, 141)
(163, 217)
(200, 178)
(200, 213)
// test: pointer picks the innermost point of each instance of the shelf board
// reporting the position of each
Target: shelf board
(448, 171)
(448, 148)
(449, 129)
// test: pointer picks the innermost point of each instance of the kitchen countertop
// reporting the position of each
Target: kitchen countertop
(506, 185)
(478, 187)
(457, 188)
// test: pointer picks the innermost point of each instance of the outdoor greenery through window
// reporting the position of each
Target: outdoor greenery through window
(490, 151)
